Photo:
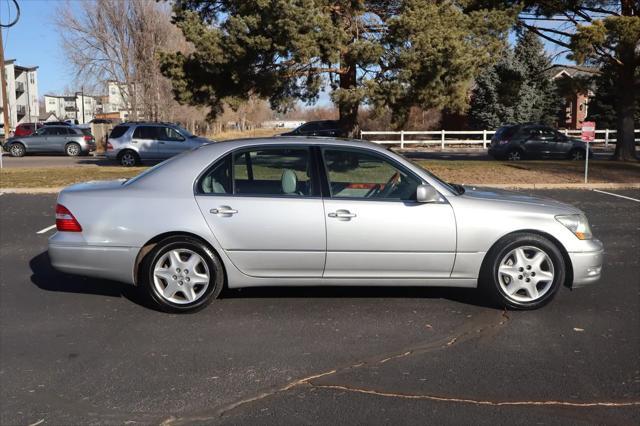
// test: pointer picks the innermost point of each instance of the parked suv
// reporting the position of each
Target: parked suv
(317, 128)
(53, 139)
(526, 141)
(130, 143)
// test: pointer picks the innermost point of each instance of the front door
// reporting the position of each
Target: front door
(375, 228)
(540, 142)
(170, 142)
(263, 205)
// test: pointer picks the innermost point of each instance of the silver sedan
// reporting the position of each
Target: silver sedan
(316, 211)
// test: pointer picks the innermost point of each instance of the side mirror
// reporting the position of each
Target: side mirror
(427, 194)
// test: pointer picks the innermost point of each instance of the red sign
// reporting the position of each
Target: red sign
(588, 131)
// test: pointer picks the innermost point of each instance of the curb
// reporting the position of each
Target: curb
(586, 186)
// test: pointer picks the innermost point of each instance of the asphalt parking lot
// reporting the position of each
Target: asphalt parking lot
(76, 350)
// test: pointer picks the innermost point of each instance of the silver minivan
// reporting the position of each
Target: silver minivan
(68, 140)
(130, 143)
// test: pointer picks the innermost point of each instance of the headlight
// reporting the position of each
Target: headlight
(578, 224)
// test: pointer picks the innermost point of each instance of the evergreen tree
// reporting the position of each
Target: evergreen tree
(388, 54)
(603, 105)
(517, 89)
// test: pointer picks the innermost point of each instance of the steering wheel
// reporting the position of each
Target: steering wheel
(390, 186)
(375, 188)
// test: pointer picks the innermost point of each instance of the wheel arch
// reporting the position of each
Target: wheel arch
(124, 150)
(149, 245)
(565, 255)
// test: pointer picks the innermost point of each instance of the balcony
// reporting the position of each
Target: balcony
(70, 108)
(21, 110)
(19, 88)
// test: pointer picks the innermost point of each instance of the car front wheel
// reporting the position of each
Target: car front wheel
(523, 271)
(182, 274)
(17, 150)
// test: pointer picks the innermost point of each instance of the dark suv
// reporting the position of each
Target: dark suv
(528, 141)
(317, 128)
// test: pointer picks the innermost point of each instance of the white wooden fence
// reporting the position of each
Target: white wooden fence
(458, 137)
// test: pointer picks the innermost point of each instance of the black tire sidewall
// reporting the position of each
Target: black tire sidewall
(214, 264)
(503, 247)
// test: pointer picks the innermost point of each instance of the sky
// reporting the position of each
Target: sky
(34, 41)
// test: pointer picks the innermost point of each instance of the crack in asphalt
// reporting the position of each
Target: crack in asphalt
(466, 332)
(476, 401)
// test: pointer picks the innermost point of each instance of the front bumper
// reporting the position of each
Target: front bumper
(587, 265)
(108, 262)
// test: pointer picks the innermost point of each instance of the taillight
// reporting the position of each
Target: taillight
(65, 221)
(109, 146)
(88, 138)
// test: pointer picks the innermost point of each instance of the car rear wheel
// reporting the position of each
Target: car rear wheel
(17, 150)
(72, 149)
(576, 154)
(523, 271)
(128, 158)
(515, 155)
(182, 274)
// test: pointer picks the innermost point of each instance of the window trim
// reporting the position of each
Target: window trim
(314, 178)
(373, 153)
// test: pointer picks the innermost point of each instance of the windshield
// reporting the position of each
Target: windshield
(185, 132)
(453, 187)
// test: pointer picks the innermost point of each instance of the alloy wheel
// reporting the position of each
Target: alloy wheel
(577, 155)
(525, 274)
(181, 276)
(17, 150)
(73, 150)
(514, 156)
(128, 159)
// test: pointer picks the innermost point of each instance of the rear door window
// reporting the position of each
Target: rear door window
(145, 132)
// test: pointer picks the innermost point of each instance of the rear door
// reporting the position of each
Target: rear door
(263, 205)
(145, 139)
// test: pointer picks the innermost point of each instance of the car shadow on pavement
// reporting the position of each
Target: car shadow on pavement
(45, 277)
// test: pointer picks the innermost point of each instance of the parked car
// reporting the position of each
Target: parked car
(317, 128)
(26, 129)
(130, 143)
(309, 212)
(56, 123)
(531, 141)
(101, 121)
(71, 141)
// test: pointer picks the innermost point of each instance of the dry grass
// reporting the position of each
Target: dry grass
(501, 172)
(468, 172)
(256, 133)
(53, 177)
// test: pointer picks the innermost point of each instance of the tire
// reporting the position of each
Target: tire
(515, 155)
(514, 282)
(576, 154)
(169, 283)
(17, 150)
(128, 158)
(72, 149)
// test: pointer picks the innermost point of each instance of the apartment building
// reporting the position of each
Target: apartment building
(78, 106)
(22, 93)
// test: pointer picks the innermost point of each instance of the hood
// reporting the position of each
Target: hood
(198, 139)
(95, 185)
(501, 195)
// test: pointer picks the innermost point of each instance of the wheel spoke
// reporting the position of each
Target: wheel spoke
(192, 262)
(537, 259)
(170, 290)
(164, 273)
(532, 290)
(199, 278)
(510, 270)
(176, 261)
(188, 292)
(520, 256)
(544, 276)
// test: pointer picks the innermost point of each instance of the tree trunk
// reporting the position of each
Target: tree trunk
(625, 137)
(348, 108)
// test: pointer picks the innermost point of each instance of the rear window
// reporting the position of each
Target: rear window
(118, 131)
(505, 132)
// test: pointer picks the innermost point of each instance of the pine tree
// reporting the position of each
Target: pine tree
(387, 54)
(517, 89)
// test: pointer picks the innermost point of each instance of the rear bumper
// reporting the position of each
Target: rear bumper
(587, 265)
(113, 263)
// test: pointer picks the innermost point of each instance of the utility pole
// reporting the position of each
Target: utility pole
(3, 82)
(82, 94)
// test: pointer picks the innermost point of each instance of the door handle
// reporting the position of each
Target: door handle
(342, 214)
(223, 210)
